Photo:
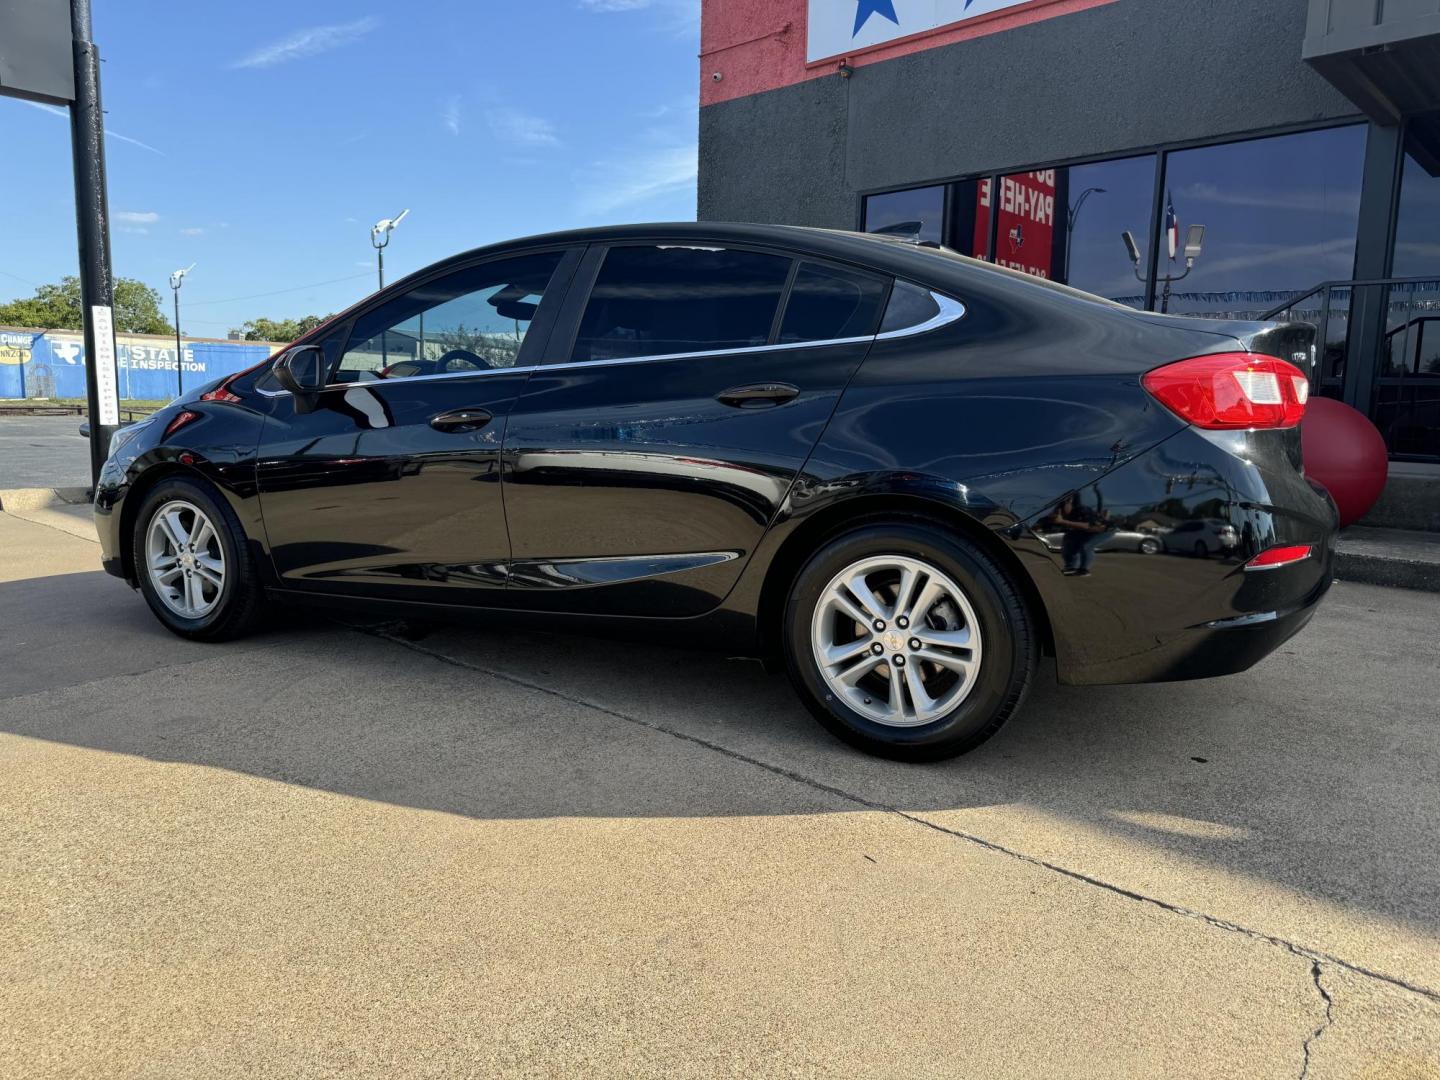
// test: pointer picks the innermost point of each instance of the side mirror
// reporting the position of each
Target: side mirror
(302, 370)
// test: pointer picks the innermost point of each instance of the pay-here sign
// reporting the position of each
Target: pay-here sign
(838, 27)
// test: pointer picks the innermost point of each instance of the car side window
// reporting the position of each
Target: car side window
(909, 306)
(828, 303)
(472, 320)
(670, 298)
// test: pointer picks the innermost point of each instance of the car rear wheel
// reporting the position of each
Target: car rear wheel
(193, 564)
(908, 641)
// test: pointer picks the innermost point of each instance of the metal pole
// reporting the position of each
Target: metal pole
(179, 349)
(92, 224)
(380, 258)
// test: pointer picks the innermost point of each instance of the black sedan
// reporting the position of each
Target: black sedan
(902, 474)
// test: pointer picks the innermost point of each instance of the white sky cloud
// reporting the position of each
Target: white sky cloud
(137, 217)
(522, 129)
(64, 114)
(663, 172)
(451, 116)
(308, 42)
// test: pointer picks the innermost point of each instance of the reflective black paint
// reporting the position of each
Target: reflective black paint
(635, 496)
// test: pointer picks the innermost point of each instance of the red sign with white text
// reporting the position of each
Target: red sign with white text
(1025, 233)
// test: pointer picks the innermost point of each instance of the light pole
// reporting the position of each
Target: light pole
(380, 236)
(1070, 224)
(176, 280)
(1194, 242)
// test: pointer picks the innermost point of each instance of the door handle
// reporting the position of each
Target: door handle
(458, 421)
(758, 395)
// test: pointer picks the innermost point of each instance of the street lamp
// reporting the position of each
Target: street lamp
(380, 236)
(1070, 224)
(1194, 243)
(176, 280)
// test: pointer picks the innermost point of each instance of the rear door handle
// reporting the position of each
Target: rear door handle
(458, 421)
(758, 395)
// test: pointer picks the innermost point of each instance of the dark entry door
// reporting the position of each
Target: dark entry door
(390, 486)
(647, 460)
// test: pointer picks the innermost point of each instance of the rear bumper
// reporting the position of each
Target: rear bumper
(1224, 646)
(1184, 608)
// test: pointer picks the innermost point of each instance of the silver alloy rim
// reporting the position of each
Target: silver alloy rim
(184, 559)
(897, 640)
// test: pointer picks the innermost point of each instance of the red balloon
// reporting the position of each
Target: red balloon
(1344, 451)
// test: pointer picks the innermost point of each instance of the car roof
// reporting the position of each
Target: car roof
(926, 264)
(882, 252)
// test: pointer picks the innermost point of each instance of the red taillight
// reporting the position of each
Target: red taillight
(181, 419)
(1231, 390)
(1276, 557)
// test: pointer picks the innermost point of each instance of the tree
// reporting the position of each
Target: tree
(263, 329)
(57, 307)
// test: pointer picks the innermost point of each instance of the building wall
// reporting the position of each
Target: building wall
(51, 363)
(1093, 80)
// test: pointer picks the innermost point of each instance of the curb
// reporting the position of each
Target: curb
(13, 499)
(1388, 571)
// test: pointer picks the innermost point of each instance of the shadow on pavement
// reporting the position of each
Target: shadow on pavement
(1300, 773)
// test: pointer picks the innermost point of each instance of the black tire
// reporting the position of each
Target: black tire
(1149, 546)
(241, 595)
(1009, 658)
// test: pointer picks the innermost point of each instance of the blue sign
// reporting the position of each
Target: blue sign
(52, 364)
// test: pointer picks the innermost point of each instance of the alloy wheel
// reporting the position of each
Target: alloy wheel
(897, 640)
(184, 559)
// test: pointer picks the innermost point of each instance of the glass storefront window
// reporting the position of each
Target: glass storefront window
(1417, 228)
(1095, 205)
(970, 230)
(918, 213)
(1025, 234)
(1065, 224)
(1280, 216)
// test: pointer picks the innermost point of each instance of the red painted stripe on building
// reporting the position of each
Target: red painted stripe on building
(759, 45)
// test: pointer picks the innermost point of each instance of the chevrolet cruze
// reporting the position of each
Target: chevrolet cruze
(902, 474)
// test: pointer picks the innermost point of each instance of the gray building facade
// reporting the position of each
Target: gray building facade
(1052, 134)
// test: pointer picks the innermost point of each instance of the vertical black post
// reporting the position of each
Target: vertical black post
(179, 350)
(1370, 304)
(1157, 217)
(92, 222)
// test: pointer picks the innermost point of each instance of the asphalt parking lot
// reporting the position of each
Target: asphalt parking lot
(43, 451)
(388, 851)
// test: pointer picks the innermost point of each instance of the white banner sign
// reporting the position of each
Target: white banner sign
(103, 323)
(838, 27)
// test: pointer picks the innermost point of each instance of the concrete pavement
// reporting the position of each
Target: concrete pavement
(479, 852)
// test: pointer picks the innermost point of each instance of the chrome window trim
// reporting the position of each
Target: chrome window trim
(951, 310)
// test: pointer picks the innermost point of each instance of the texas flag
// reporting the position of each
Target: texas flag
(1172, 225)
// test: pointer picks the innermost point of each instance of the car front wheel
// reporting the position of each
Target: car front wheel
(909, 642)
(193, 563)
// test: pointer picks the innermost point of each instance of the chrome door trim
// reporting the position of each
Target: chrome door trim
(951, 310)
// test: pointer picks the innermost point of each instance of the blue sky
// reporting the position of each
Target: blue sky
(262, 140)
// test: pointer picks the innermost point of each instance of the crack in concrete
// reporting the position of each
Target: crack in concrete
(1324, 1025)
(1314, 956)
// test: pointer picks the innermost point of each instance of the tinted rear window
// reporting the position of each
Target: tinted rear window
(830, 302)
(909, 306)
(652, 301)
